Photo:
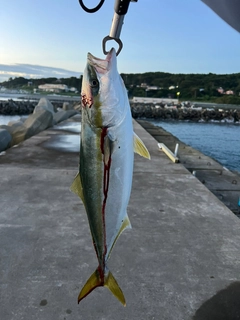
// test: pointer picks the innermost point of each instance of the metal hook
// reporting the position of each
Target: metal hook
(107, 38)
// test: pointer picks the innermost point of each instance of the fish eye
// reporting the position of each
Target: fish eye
(94, 83)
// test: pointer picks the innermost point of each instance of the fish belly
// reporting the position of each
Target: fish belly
(120, 183)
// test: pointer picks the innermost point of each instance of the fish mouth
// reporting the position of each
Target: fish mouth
(101, 65)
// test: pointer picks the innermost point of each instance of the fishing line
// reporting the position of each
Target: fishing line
(95, 9)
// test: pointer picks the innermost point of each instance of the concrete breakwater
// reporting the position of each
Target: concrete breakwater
(43, 115)
(224, 184)
(139, 110)
(25, 107)
(177, 113)
(13, 108)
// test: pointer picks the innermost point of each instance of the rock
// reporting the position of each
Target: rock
(78, 106)
(5, 139)
(67, 106)
(19, 134)
(11, 107)
(38, 121)
(44, 104)
(23, 118)
(63, 115)
(10, 129)
(34, 124)
(15, 123)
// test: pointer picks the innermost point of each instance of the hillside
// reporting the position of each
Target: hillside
(224, 88)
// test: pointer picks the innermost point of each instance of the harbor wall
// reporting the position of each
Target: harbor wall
(186, 113)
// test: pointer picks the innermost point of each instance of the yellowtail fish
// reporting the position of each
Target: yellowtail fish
(106, 163)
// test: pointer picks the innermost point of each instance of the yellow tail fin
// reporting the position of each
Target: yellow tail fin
(113, 286)
(95, 281)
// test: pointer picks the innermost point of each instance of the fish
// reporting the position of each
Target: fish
(104, 180)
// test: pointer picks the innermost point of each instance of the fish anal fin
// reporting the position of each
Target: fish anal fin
(140, 148)
(76, 187)
(111, 283)
(96, 280)
(126, 224)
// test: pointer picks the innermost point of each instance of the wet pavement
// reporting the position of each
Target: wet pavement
(180, 260)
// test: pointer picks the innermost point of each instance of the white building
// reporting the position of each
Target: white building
(154, 100)
(152, 88)
(53, 87)
(229, 92)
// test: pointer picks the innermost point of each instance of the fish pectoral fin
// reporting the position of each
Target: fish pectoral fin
(76, 187)
(140, 148)
(95, 281)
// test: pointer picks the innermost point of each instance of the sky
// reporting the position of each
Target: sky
(51, 38)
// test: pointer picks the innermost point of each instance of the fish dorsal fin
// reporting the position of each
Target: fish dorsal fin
(140, 148)
(76, 187)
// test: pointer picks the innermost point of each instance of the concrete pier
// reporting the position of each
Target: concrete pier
(180, 261)
(222, 182)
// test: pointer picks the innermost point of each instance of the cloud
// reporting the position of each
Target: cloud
(33, 71)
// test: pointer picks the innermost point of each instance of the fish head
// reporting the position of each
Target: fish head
(103, 93)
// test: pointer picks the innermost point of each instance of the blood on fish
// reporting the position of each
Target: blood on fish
(86, 102)
(106, 176)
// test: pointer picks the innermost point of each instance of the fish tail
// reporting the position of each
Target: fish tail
(111, 283)
(96, 280)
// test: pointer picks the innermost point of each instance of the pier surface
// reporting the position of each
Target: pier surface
(180, 261)
(222, 182)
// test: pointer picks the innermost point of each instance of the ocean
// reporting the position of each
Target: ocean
(220, 141)
(6, 119)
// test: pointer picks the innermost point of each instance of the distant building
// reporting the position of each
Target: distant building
(2, 89)
(73, 89)
(229, 92)
(220, 90)
(154, 100)
(152, 88)
(53, 87)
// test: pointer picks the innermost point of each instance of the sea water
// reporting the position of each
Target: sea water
(6, 119)
(220, 141)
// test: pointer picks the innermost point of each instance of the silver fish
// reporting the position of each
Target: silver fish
(106, 163)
